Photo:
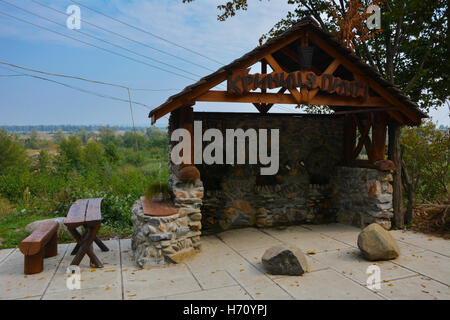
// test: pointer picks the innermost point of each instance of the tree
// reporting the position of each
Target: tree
(111, 153)
(426, 154)
(33, 141)
(12, 152)
(58, 136)
(411, 50)
(70, 153)
(43, 161)
(93, 155)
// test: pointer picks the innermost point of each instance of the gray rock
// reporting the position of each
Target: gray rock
(285, 260)
(33, 225)
(376, 243)
(160, 236)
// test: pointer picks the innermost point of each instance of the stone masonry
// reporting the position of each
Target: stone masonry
(362, 196)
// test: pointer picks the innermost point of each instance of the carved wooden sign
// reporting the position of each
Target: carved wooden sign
(241, 82)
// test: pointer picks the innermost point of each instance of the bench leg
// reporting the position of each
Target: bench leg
(86, 248)
(51, 249)
(34, 264)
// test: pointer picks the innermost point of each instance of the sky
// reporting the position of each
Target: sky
(32, 101)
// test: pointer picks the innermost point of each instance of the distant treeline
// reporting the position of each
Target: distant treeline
(69, 128)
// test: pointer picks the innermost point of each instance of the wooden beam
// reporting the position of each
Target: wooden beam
(324, 45)
(363, 139)
(191, 96)
(277, 68)
(329, 70)
(394, 155)
(273, 98)
(379, 136)
(295, 57)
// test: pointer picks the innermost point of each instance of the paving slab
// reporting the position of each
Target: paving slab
(157, 282)
(17, 258)
(229, 267)
(5, 253)
(227, 293)
(254, 256)
(248, 238)
(415, 288)
(427, 263)
(97, 293)
(256, 283)
(306, 240)
(14, 284)
(89, 278)
(110, 259)
(432, 243)
(327, 285)
(214, 279)
(351, 264)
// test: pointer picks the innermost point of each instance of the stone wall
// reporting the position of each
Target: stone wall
(238, 196)
(362, 196)
(160, 240)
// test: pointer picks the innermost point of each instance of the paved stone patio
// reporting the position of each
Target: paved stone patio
(229, 267)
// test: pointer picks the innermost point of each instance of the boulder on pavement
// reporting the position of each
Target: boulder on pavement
(285, 260)
(33, 225)
(376, 243)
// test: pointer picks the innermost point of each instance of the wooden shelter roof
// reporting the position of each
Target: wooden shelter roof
(327, 49)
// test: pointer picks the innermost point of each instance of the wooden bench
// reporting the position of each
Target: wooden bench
(40, 244)
(86, 213)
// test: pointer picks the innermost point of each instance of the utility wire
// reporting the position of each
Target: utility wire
(95, 46)
(102, 40)
(125, 37)
(79, 78)
(147, 32)
(79, 89)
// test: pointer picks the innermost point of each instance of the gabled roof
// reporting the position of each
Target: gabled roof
(189, 94)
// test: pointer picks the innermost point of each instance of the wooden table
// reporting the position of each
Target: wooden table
(86, 213)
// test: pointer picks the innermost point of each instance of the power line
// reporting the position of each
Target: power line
(102, 40)
(79, 89)
(95, 46)
(125, 37)
(147, 32)
(79, 78)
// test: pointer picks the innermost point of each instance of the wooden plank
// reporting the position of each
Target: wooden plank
(32, 244)
(93, 211)
(363, 139)
(329, 70)
(77, 213)
(274, 98)
(324, 45)
(394, 155)
(277, 68)
(192, 95)
(379, 136)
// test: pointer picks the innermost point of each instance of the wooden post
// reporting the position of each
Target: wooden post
(186, 121)
(395, 156)
(378, 136)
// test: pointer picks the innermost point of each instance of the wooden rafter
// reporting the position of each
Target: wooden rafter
(329, 70)
(330, 50)
(277, 68)
(273, 98)
(364, 140)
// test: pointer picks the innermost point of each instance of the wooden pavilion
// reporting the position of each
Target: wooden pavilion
(310, 67)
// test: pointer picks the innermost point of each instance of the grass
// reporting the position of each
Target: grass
(13, 223)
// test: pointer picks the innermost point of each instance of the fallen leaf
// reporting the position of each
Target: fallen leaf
(107, 288)
(390, 285)
(311, 252)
